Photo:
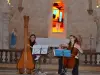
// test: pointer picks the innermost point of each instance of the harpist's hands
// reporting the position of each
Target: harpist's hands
(29, 45)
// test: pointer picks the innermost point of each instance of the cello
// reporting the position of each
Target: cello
(25, 63)
(69, 62)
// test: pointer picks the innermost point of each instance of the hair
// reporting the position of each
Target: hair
(75, 41)
(34, 42)
(32, 35)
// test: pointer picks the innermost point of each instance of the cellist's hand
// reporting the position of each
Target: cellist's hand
(60, 46)
(72, 55)
(63, 45)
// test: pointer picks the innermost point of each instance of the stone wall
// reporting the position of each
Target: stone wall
(39, 13)
(77, 19)
(80, 22)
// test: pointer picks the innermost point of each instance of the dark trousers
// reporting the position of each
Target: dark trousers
(60, 66)
(75, 69)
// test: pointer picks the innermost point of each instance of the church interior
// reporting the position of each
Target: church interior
(52, 21)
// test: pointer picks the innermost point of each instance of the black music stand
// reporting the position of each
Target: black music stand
(63, 69)
(39, 50)
(62, 53)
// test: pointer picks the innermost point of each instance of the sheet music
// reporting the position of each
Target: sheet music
(54, 52)
(36, 49)
(40, 49)
(44, 49)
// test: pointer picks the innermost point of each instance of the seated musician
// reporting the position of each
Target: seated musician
(32, 43)
(72, 44)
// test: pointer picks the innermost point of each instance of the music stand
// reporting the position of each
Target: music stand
(62, 53)
(40, 50)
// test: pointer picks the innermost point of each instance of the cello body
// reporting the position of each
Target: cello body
(25, 63)
(70, 62)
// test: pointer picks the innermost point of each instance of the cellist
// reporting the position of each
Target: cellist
(72, 44)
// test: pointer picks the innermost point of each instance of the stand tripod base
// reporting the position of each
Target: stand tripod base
(23, 71)
(63, 72)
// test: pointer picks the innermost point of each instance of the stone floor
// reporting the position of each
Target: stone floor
(15, 72)
(48, 69)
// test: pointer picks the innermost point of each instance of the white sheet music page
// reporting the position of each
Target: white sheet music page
(44, 49)
(54, 52)
(36, 49)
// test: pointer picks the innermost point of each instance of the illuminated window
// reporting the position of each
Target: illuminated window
(58, 17)
(9, 2)
(97, 3)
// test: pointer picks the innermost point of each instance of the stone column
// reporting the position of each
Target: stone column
(5, 33)
(96, 17)
(4, 22)
(98, 39)
(1, 32)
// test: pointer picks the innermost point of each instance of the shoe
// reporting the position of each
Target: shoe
(34, 70)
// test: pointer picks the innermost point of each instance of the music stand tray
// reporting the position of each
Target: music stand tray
(62, 53)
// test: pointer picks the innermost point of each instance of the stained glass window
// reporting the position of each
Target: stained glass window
(9, 2)
(97, 3)
(58, 17)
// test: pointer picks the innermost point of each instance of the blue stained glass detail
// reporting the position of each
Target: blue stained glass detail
(60, 18)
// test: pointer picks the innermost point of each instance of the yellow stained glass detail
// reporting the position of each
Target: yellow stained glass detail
(57, 28)
(97, 3)
(9, 2)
